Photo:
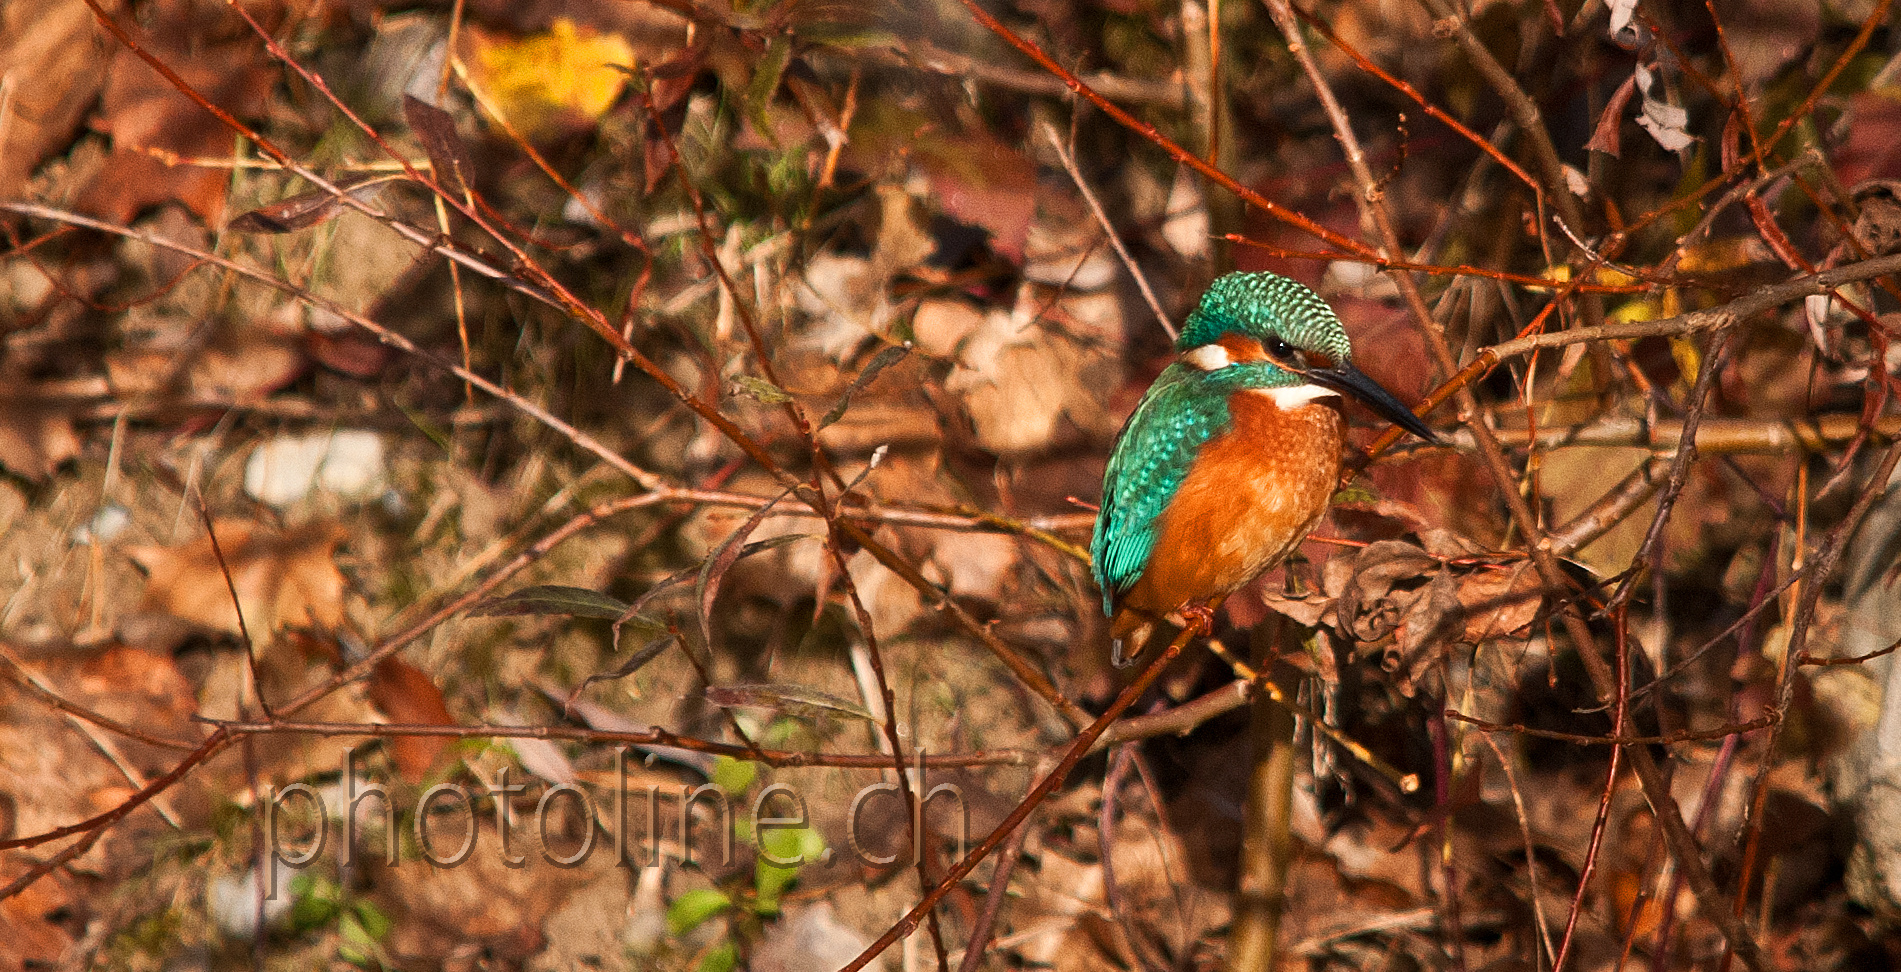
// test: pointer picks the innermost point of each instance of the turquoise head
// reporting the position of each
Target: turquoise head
(1262, 330)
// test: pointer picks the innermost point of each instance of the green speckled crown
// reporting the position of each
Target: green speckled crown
(1260, 305)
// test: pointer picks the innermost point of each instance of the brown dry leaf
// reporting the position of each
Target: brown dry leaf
(1575, 478)
(549, 83)
(283, 579)
(35, 435)
(26, 919)
(1500, 602)
(1019, 376)
(810, 938)
(1872, 149)
(1371, 604)
(483, 900)
(1423, 628)
(406, 695)
(141, 110)
(50, 70)
(137, 687)
(939, 325)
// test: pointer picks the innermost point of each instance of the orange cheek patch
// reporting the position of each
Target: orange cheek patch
(1242, 348)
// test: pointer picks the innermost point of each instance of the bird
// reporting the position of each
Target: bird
(1230, 458)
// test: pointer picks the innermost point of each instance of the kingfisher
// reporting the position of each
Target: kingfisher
(1231, 457)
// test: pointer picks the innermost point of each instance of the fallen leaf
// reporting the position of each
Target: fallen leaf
(140, 110)
(283, 580)
(552, 82)
(54, 54)
(1018, 379)
(36, 434)
(347, 463)
(27, 919)
(243, 366)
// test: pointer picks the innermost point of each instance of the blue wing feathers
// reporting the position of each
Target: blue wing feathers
(1151, 458)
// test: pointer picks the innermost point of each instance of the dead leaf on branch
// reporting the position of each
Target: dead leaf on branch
(311, 208)
(794, 700)
(1413, 603)
(407, 695)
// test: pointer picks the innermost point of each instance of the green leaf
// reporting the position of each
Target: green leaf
(771, 880)
(885, 359)
(734, 776)
(695, 908)
(723, 957)
(374, 921)
(761, 389)
(556, 599)
(765, 84)
(315, 901)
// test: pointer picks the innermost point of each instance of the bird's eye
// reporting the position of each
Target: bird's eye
(1279, 349)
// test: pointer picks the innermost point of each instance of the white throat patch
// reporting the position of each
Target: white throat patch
(1296, 395)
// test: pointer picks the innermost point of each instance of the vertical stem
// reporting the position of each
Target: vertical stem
(1266, 843)
(1201, 30)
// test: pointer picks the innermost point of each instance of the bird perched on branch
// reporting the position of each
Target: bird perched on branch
(1231, 457)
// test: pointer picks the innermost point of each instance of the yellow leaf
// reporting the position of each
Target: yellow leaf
(1634, 311)
(547, 82)
(1689, 360)
(1612, 277)
(1715, 256)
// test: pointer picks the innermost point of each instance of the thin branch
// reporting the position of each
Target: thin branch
(1108, 228)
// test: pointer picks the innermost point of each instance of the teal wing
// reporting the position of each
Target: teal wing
(1177, 416)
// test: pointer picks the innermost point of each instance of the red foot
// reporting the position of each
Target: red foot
(1200, 617)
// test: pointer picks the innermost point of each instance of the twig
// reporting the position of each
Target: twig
(980, 933)
(1149, 132)
(786, 758)
(1139, 945)
(1078, 748)
(1108, 229)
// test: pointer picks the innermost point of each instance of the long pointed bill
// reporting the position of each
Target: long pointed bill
(1345, 378)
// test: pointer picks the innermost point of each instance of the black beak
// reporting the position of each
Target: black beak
(1347, 379)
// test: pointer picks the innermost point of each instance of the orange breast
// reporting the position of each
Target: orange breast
(1247, 502)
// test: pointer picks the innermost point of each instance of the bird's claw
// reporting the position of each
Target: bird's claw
(1200, 618)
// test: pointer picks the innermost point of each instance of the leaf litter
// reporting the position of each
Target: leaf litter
(928, 292)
